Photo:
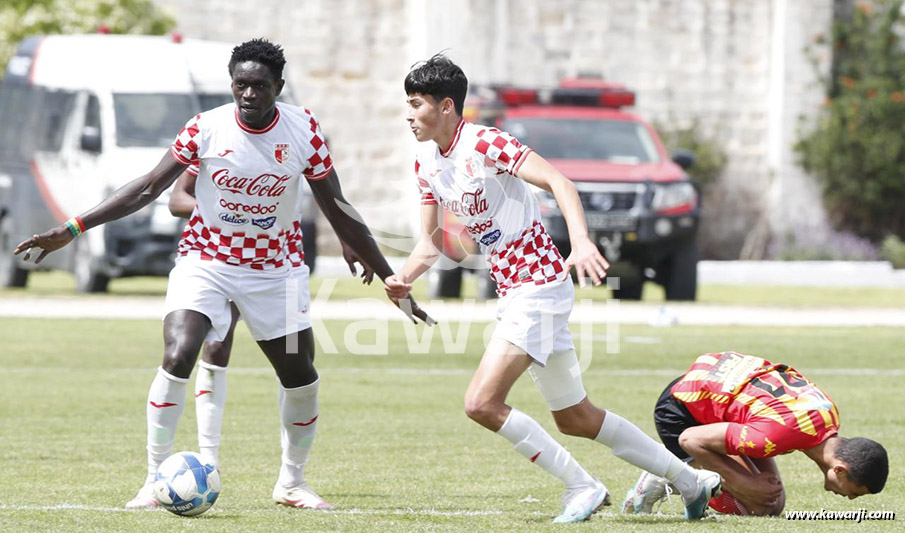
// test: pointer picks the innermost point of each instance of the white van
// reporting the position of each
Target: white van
(80, 115)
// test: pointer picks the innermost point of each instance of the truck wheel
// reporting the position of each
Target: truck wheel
(681, 280)
(309, 244)
(88, 278)
(630, 287)
(445, 283)
(11, 274)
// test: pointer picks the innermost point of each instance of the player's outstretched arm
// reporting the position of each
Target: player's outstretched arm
(585, 256)
(758, 491)
(423, 256)
(124, 201)
(352, 230)
(182, 197)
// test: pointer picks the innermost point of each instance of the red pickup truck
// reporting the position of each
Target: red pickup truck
(642, 209)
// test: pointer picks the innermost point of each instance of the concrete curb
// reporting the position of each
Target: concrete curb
(612, 312)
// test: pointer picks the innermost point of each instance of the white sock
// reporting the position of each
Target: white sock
(166, 400)
(634, 446)
(298, 417)
(531, 440)
(210, 400)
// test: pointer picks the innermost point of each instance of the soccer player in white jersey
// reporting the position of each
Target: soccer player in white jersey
(210, 379)
(481, 175)
(251, 155)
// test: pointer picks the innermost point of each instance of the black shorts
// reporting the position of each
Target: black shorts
(672, 418)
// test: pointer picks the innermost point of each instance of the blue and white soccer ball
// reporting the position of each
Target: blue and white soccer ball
(186, 484)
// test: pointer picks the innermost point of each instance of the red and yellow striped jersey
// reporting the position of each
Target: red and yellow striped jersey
(771, 409)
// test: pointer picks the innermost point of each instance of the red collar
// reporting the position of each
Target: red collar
(455, 139)
(246, 129)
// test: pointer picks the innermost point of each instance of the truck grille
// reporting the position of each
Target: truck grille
(607, 201)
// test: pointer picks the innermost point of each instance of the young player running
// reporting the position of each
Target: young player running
(733, 413)
(481, 175)
(251, 156)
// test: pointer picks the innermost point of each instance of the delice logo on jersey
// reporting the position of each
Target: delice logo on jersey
(234, 219)
(265, 185)
(491, 237)
(281, 152)
(264, 223)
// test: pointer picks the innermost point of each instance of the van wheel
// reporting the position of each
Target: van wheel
(11, 274)
(444, 283)
(681, 280)
(88, 278)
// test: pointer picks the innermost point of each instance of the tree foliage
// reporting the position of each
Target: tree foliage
(709, 155)
(857, 147)
(23, 18)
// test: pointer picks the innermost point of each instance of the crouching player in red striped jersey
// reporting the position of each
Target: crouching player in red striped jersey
(732, 413)
(481, 175)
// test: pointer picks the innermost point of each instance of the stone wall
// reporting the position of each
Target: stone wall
(739, 66)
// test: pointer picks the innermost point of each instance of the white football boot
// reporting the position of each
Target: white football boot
(579, 503)
(648, 490)
(144, 499)
(299, 496)
(709, 486)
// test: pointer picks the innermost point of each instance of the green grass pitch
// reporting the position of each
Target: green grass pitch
(394, 450)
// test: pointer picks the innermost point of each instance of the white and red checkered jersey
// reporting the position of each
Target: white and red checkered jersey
(475, 178)
(248, 191)
(295, 248)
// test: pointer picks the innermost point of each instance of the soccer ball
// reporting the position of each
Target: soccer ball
(186, 484)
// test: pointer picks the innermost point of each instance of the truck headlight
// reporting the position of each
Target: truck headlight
(674, 198)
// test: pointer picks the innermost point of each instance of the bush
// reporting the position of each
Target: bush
(710, 157)
(857, 149)
(816, 244)
(893, 250)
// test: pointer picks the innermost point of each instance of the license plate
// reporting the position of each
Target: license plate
(611, 222)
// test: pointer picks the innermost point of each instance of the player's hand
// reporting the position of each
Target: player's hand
(367, 275)
(396, 286)
(588, 262)
(48, 242)
(399, 292)
(762, 491)
(411, 310)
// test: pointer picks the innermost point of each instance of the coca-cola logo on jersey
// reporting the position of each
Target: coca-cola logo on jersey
(263, 186)
(471, 204)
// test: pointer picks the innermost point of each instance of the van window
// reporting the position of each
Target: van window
(55, 112)
(93, 113)
(18, 115)
(209, 101)
(151, 120)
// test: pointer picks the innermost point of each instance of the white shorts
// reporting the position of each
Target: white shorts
(261, 296)
(559, 382)
(536, 318)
